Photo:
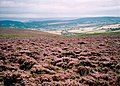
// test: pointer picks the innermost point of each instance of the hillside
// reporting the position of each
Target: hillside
(61, 61)
(24, 33)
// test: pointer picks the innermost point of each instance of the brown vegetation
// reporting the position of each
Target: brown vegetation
(43, 61)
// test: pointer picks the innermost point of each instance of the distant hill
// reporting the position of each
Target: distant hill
(10, 23)
(56, 24)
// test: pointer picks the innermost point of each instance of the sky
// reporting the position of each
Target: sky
(58, 8)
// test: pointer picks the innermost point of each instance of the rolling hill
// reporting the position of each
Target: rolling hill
(57, 24)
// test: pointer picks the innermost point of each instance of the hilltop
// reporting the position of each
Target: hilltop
(19, 32)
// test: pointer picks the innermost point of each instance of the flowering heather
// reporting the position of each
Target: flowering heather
(76, 61)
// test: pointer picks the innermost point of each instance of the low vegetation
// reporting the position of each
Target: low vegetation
(62, 61)
(13, 36)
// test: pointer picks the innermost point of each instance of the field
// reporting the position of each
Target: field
(90, 30)
(33, 58)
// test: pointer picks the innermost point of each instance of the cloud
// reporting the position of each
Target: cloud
(59, 8)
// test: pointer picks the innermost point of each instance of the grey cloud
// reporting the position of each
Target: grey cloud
(59, 8)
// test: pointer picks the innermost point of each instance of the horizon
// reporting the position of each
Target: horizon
(58, 9)
(55, 18)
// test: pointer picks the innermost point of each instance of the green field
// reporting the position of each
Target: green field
(94, 34)
(12, 36)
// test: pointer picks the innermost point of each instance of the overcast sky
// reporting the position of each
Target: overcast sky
(58, 8)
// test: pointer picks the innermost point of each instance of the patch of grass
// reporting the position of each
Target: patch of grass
(95, 34)
(12, 36)
(59, 36)
(23, 36)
